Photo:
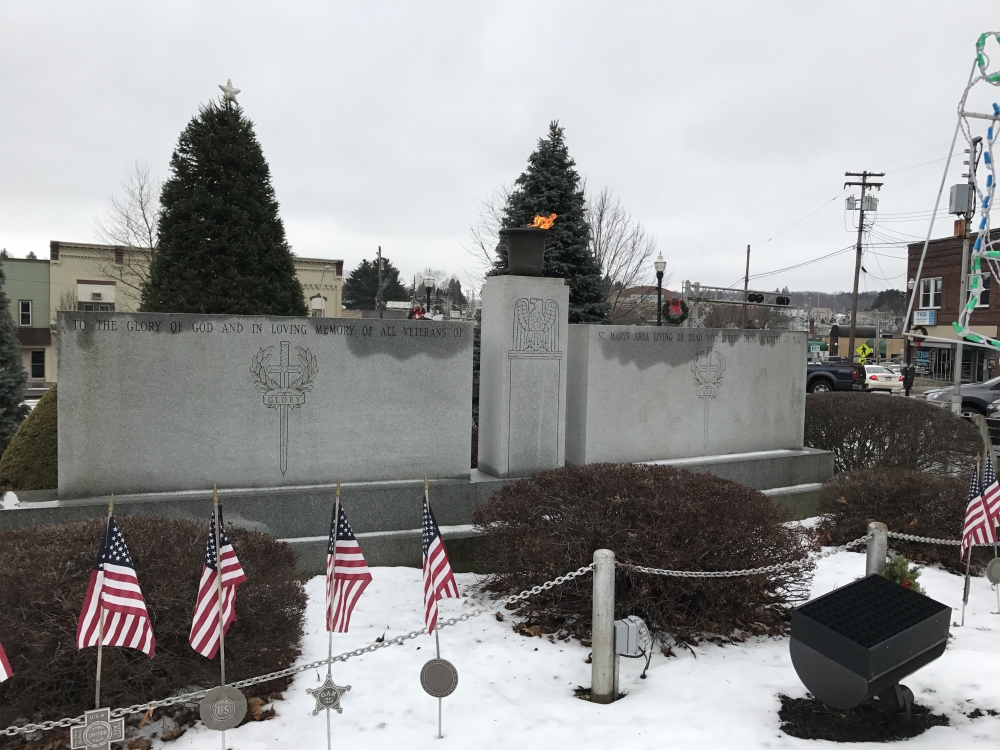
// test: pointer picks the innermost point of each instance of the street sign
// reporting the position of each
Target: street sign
(863, 351)
(814, 346)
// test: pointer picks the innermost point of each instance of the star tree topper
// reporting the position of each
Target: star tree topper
(229, 91)
(328, 695)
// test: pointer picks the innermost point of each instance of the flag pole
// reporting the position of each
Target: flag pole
(329, 608)
(965, 593)
(437, 639)
(218, 579)
(100, 606)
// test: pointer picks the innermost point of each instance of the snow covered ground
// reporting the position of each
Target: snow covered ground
(517, 692)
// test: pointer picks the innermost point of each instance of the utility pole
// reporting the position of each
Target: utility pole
(864, 184)
(956, 394)
(378, 294)
(746, 285)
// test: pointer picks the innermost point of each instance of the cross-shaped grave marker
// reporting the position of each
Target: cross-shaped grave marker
(98, 732)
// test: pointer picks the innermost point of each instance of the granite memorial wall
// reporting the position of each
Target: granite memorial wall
(652, 393)
(158, 402)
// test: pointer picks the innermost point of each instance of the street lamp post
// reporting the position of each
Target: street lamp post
(428, 285)
(660, 265)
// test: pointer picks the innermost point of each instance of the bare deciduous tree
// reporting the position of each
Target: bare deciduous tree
(731, 316)
(623, 248)
(67, 300)
(486, 233)
(131, 225)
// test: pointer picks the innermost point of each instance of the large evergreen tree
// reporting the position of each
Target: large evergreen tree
(361, 285)
(551, 185)
(13, 378)
(222, 244)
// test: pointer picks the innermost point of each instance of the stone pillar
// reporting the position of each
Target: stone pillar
(522, 375)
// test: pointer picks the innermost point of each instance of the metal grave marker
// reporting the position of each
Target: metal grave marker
(328, 696)
(98, 731)
(439, 678)
(223, 708)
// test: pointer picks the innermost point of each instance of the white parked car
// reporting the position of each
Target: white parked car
(879, 378)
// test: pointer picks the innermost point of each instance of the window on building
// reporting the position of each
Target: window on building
(119, 256)
(930, 293)
(984, 297)
(24, 307)
(38, 364)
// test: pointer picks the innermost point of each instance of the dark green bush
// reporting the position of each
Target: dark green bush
(31, 461)
(865, 430)
(545, 525)
(909, 502)
(43, 580)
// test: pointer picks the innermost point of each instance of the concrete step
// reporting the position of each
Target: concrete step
(763, 470)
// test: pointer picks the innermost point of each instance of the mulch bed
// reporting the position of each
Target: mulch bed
(809, 719)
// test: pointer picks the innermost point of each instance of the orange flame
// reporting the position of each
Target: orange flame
(543, 222)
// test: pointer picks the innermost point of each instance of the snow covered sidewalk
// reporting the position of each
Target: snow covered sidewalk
(517, 692)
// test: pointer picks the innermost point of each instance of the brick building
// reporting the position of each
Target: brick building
(936, 308)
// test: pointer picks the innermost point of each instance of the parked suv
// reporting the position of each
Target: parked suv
(976, 397)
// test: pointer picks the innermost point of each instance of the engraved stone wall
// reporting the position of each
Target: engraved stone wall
(153, 402)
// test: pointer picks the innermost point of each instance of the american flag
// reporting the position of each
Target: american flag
(991, 493)
(978, 525)
(439, 582)
(347, 574)
(5, 671)
(114, 590)
(205, 627)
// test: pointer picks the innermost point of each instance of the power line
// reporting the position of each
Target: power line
(804, 263)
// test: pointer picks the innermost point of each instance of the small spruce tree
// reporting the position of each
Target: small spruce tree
(222, 244)
(361, 285)
(551, 185)
(13, 378)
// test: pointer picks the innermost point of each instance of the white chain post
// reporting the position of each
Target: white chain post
(878, 545)
(602, 639)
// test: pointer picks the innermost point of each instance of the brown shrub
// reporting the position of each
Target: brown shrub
(545, 525)
(909, 502)
(865, 430)
(43, 579)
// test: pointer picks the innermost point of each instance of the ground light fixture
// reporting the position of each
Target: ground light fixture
(859, 641)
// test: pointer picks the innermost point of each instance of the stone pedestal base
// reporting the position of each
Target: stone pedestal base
(522, 375)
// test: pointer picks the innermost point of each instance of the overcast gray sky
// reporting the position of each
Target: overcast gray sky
(719, 124)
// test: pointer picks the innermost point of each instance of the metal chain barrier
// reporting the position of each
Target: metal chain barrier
(749, 571)
(929, 540)
(193, 697)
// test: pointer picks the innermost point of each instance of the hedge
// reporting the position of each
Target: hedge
(543, 526)
(865, 430)
(43, 579)
(31, 461)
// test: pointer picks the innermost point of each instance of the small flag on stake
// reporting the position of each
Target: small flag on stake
(114, 588)
(347, 573)
(5, 671)
(978, 526)
(205, 627)
(439, 582)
